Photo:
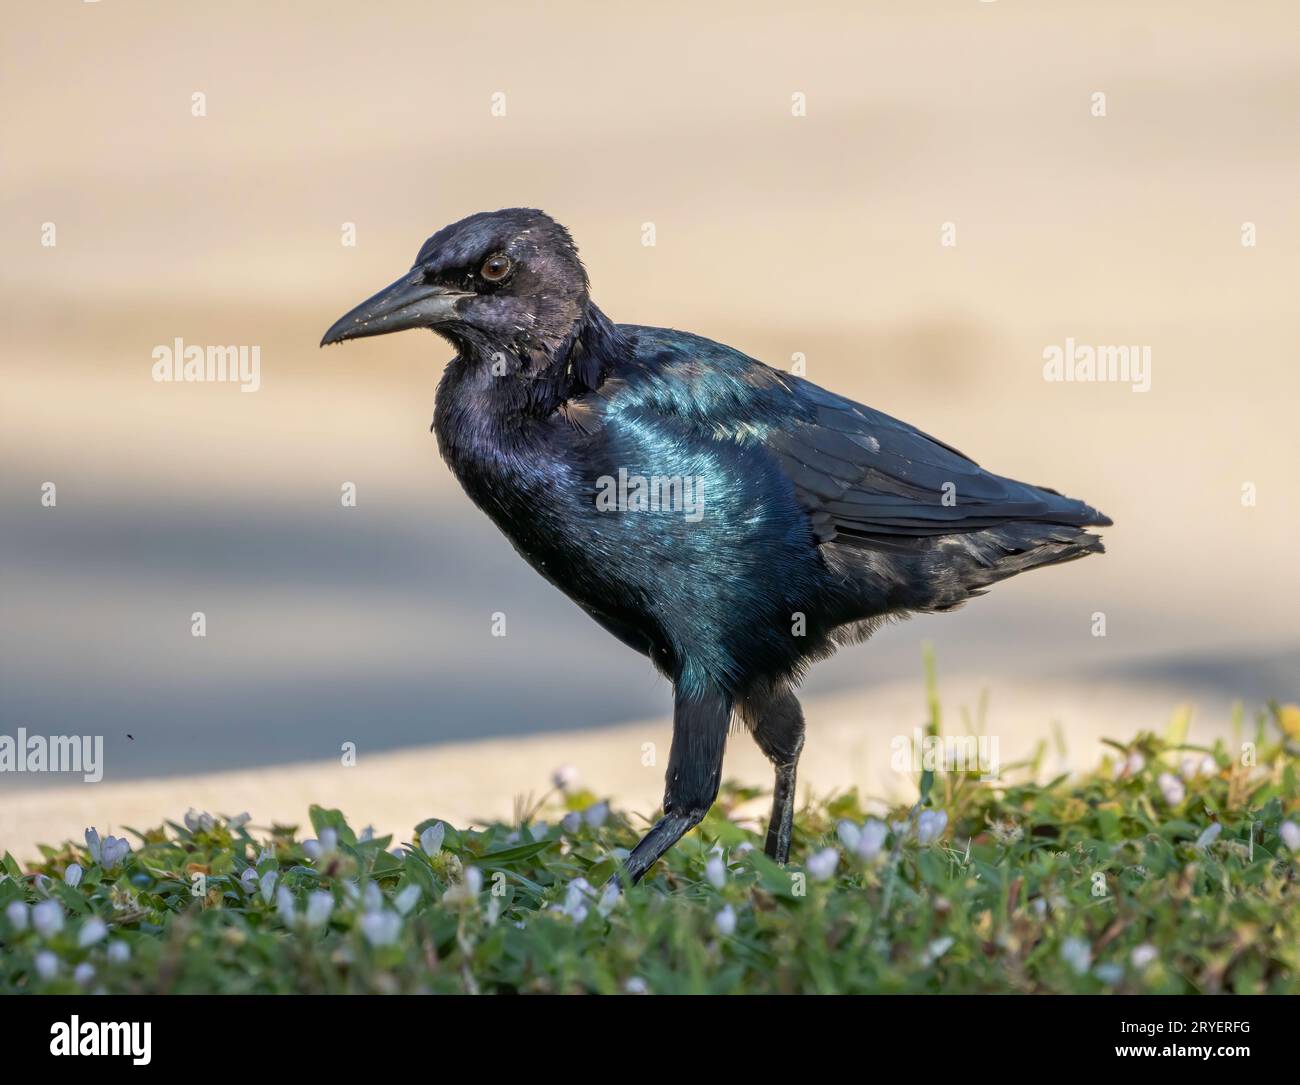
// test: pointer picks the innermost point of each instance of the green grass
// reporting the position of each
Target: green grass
(1089, 884)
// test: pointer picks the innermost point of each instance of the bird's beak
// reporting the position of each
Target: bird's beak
(408, 303)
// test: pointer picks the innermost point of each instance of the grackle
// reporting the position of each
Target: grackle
(730, 521)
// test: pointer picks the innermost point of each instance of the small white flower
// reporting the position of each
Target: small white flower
(47, 965)
(92, 843)
(367, 835)
(822, 864)
(84, 973)
(715, 870)
(937, 949)
(1209, 836)
(113, 850)
(1172, 788)
(743, 848)
(432, 837)
(47, 918)
(467, 890)
(1143, 955)
(609, 897)
(329, 838)
(564, 777)
(474, 880)
(596, 814)
(930, 825)
(192, 820)
(239, 820)
(248, 879)
(572, 822)
(266, 884)
(72, 876)
(118, 952)
(320, 905)
(1289, 831)
(1195, 765)
(1077, 954)
(636, 986)
(1109, 973)
(92, 931)
(16, 913)
(284, 905)
(725, 921)
(407, 899)
(539, 830)
(1134, 763)
(850, 834)
(871, 840)
(371, 898)
(381, 928)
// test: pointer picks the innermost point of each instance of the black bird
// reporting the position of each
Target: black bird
(730, 521)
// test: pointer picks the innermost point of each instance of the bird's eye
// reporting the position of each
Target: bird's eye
(495, 268)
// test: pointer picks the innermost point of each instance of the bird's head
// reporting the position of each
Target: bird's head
(500, 281)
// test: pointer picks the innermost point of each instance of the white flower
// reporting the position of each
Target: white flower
(84, 973)
(1209, 836)
(539, 830)
(320, 905)
(47, 965)
(266, 884)
(381, 928)
(1077, 954)
(715, 870)
(850, 834)
(871, 840)
(72, 876)
(112, 850)
(92, 931)
(937, 949)
(572, 822)
(407, 899)
(1289, 831)
(284, 905)
(248, 879)
(1133, 764)
(564, 777)
(239, 820)
(192, 820)
(47, 918)
(636, 986)
(743, 848)
(1109, 973)
(725, 921)
(609, 897)
(371, 898)
(822, 865)
(596, 814)
(1143, 955)
(930, 825)
(432, 837)
(1195, 765)
(467, 890)
(119, 952)
(92, 843)
(16, 913)
(1172, 788)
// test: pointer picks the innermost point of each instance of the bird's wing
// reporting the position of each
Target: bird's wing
(860, 473)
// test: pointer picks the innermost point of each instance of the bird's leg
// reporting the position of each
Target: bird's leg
(778, 726)
(694, 772)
